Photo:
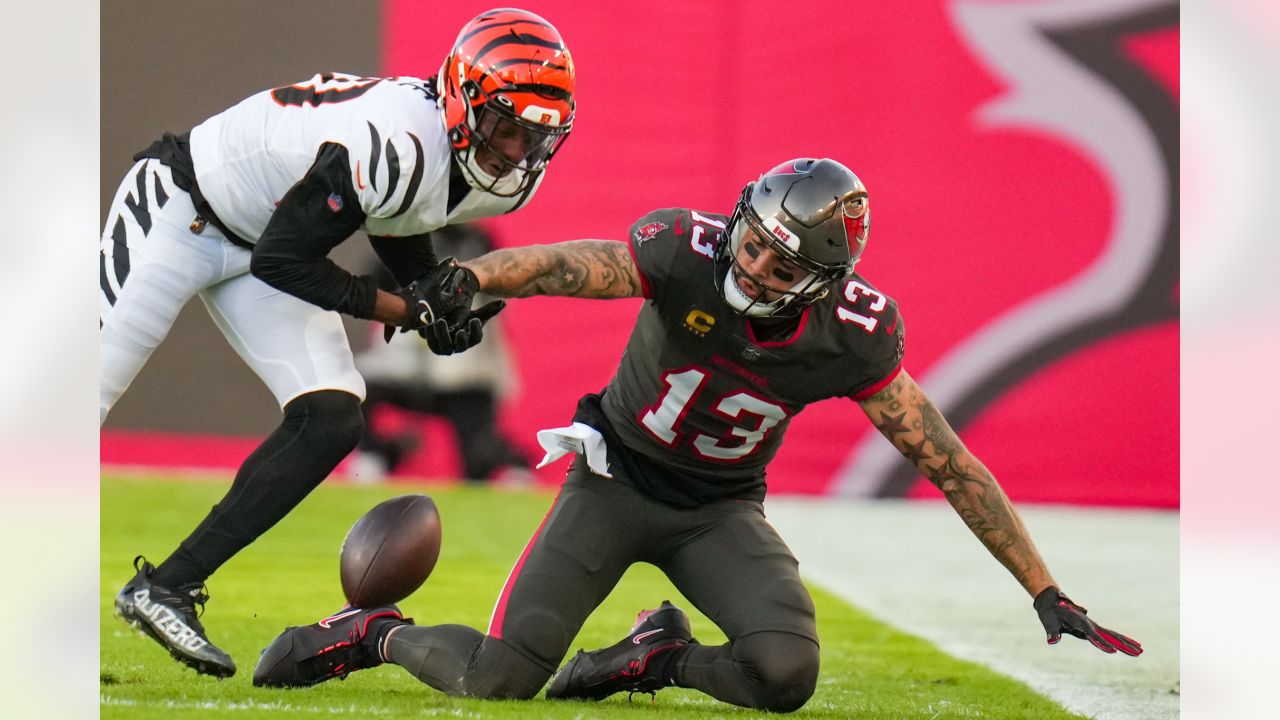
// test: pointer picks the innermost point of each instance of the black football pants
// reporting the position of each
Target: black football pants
(724, 557)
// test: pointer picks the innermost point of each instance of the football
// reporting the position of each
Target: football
(390, 551)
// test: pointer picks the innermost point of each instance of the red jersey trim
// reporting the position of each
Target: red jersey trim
(877, 387)
(645, 287)
(500, 608)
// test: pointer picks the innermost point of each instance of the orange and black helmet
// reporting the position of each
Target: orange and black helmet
(507, 88)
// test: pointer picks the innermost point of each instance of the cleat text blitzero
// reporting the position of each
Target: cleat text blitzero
(169, 617)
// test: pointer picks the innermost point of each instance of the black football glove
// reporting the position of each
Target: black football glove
(439, 308)
(446, 339)
(1059, 615)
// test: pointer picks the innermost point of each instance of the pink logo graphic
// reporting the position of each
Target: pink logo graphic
(649, 231)
(328, 622)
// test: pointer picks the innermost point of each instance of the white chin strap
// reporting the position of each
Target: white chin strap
(481, 180)
(739, 301)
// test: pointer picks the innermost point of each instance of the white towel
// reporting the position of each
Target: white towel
(577, 438)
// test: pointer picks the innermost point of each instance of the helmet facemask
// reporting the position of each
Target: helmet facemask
(805, 280)
(812, 216)
(506, 153)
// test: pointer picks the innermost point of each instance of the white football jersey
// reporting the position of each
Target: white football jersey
(247, 157)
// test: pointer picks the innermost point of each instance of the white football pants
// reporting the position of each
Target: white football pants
(152, 262)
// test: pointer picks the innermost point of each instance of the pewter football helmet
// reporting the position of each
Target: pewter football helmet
(812, 213)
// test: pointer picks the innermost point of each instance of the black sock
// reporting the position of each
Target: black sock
(318, 430)
(668, 662)
(379, 627)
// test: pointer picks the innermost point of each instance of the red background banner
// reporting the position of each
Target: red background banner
(1022, 163)
(683, 103)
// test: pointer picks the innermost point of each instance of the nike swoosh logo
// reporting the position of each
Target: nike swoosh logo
(359, 184)
(637, 638)
(327, 622)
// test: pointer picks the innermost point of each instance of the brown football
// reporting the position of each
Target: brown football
(390, 551)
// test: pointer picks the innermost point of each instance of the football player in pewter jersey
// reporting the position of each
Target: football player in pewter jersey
(243, 211)
(749, 318)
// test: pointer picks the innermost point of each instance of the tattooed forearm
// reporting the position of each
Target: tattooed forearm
(581, 268)
(909, 420)
(979, 500)
(986, 510)
(936, 428)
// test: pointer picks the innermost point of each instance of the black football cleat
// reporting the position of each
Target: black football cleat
(634, 664)
(334, 647)
(169, 617)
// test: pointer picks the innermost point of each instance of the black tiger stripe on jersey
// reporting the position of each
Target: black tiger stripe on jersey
(104, 282)
(393, 172)
(141, 213)
(120, 253)
(375, 153)
(298, 96)
(414, 180)
(162, 197)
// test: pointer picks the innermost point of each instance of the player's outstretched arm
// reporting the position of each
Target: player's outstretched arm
(911, 422)
(579, 268)
(914, 425)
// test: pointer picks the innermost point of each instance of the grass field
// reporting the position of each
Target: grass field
(290, 576)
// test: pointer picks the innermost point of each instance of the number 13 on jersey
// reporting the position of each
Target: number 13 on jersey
(682, 391)
(878, 302)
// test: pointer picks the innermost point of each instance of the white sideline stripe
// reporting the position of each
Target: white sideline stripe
(916, 566)
(251, 705)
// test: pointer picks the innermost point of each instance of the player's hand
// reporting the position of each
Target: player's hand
(1060, 615)
(439, 308)
(446, 339)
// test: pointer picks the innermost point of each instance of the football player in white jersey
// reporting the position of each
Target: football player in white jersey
(243, 211)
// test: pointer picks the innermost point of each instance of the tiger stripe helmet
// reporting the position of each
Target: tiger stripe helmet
(507, 90)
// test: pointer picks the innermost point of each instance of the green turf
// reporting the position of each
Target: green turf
(290, 576)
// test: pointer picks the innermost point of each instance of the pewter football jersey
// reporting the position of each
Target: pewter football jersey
(247, 157)
(696, 390)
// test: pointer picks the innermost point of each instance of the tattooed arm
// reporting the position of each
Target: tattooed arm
(911, 422)
(581, 268)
